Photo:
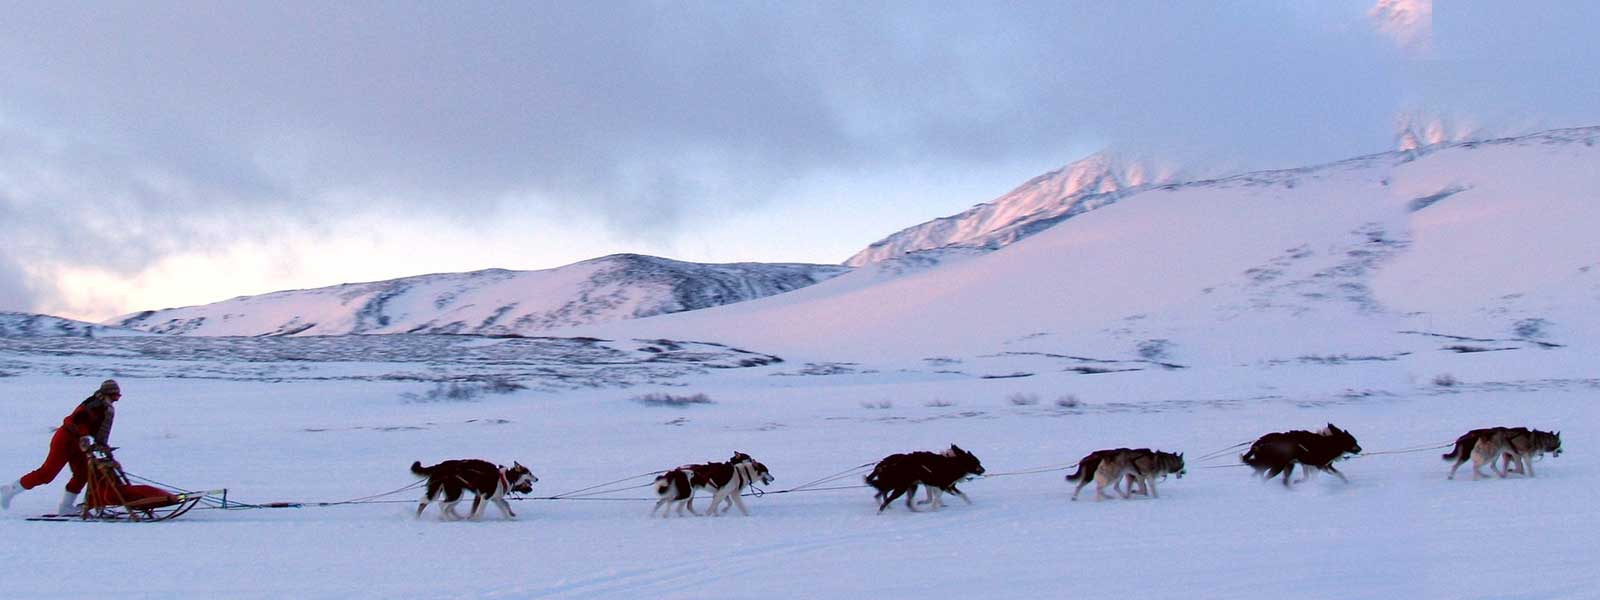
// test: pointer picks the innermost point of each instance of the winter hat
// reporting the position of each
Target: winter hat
(109, 386)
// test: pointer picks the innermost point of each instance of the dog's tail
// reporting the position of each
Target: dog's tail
(1462, 447)
(875, 477)
(663, 481)
(1250, 457)
(1086, 468)
(674, 482)
(421, 471)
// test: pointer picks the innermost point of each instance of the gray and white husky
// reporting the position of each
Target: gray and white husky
(1141, 467)
(1501, 448)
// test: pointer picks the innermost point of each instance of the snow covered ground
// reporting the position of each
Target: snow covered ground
(1399, 529)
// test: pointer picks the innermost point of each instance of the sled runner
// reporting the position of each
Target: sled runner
(109, 495)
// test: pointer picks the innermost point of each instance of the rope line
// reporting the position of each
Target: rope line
(1223, 452)
(370, 499)
(1048, 469)
(1408, 450)
(631, 478)
(833, 477)
(577, 496)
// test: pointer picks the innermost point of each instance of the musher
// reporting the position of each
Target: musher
(92, 418)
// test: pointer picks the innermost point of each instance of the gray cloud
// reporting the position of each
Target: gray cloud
(15, 291)
(132, 131)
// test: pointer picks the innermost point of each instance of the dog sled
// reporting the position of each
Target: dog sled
(111, 496)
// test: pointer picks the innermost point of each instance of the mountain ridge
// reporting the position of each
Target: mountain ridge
(488, 301)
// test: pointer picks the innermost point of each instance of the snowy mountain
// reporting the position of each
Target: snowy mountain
(1370, 257)
(1082, 186)
(14, 324)
(495, 301)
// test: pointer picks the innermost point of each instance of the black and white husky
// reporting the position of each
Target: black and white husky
(486, 481)
(675, 489)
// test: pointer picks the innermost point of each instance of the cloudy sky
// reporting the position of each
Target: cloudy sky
(156, 155)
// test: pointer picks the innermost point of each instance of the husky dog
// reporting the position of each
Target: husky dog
(726, 480)
(1157, 465)
(1089, 467)
(1510, 445)
(1141, 467)
(484, 479)
(1278, 452)
(1464, 446)
(900, 474)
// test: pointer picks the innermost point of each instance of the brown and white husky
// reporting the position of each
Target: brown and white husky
(726, 480)
(1508, 445)
(1141, 467)
(486, 481)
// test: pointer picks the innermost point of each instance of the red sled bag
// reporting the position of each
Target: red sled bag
(111, 497)
(131, 496)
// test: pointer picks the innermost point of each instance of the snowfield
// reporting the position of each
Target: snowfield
(1399, 529)
(1407, 297)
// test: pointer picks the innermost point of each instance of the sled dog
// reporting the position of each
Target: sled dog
(1141, 467)
(1278, 452)
(900, 474)
(486, 481)
(1508, 445)
(727, 480)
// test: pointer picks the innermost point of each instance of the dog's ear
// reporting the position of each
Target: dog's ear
(517, 465)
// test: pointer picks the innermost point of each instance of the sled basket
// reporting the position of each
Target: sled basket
(111, 497)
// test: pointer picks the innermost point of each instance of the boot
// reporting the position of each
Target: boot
(7, 492)
(69, 504)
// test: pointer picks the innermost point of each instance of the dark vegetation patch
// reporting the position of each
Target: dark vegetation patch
(1015, 375)
(827, 368)
(1422, 202)
(464, 391)
(1098, 370)
(1465, 349)
(1339, 359)
(672, 400)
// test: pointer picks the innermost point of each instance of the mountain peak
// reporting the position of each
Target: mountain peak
(1085, 184)
(1103, 172)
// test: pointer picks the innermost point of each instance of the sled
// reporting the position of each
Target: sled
(110, 496)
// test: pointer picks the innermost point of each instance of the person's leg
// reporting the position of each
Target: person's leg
(60, 453)
(80, 471)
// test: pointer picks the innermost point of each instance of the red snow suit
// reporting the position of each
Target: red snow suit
(92, 417)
